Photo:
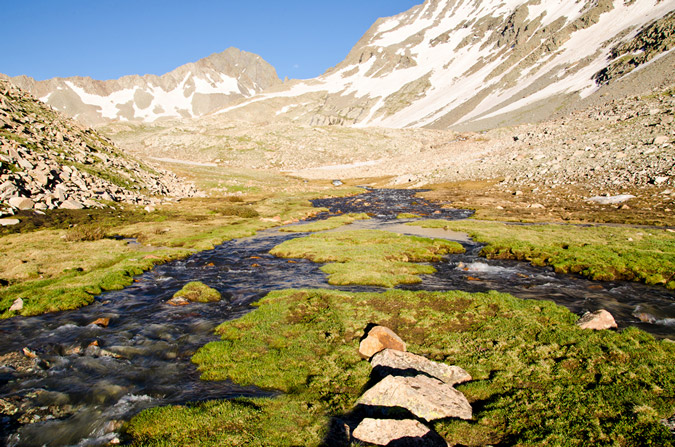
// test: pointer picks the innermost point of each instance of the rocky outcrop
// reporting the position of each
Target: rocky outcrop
(191, 90)
(49, 162)
(421, 387)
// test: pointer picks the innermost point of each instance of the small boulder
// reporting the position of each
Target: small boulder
(9, 222)
(661, 139)
(178, 301)
(423, 396)
(611, 200)
(390, 361)
(598, 320)
(17, 305)
(380, 338)
(400, 433)
(21, 203)
(103, 322)
(71, 204)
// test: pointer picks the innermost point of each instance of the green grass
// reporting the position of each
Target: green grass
(537, 378)
(600, 252)
(62, 260)
(408, 216)
(328, 224)
(369, 257)
(199, 292)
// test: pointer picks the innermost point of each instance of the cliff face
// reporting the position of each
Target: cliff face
(188, 91)
(469, 64)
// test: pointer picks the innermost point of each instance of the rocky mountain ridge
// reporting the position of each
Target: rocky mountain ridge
(191, 90)
(470, 65)
(48, 161)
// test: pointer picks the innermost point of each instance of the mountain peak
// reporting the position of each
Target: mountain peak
(188, 91)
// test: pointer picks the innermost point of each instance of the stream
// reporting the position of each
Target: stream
(67, 381)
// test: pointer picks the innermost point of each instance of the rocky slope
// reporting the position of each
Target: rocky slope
(471, 65)
(48, 161)
(191, 90)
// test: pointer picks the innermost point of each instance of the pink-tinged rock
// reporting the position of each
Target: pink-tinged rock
(423, 396)
(178, 301)
(71, 204)
(407, 432)
(17, 305)
(21, 203)
(598, 320)
(390, 361)
(380, 338)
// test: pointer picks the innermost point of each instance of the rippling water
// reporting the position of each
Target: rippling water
(87, 379)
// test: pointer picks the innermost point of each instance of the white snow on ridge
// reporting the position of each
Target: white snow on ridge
(108, 104)
(226, 84)
(582, 43)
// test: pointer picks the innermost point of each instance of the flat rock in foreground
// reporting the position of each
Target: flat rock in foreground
(423, 396)
(399, 433)
(391, 361)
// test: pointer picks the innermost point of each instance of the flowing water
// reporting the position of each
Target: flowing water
(86, 379)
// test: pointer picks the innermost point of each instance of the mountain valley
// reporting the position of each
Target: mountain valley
(478, 177)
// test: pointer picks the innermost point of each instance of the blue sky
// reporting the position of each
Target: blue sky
(106, 39)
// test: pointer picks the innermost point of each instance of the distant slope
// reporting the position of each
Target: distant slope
(470, 65)
(48, 161)
(189, 91)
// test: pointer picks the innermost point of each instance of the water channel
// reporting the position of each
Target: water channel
(85, 379)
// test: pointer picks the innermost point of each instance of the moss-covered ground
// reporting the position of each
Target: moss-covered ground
(198, 292)
(537, 378)
(369, 257)
(63, 259)
(599, 252)
(327, 224)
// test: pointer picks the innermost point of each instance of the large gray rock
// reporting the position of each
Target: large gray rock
(423, 396)
(379, 338)
(400, 433)
(71, 204)
(611, 200)
(21, 203)
(8, 222)
(391, 361)
(598, 320)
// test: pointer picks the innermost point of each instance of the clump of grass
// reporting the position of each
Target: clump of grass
(599, 252)
(537, 378)
(198, 292)
(86, 233)
(237, 210)
(408, 216)
(328, 224)
(369, 257)
(234, 199)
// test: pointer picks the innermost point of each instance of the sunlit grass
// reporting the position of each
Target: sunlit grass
(369, 257)
(537, 378)
(599, 252)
